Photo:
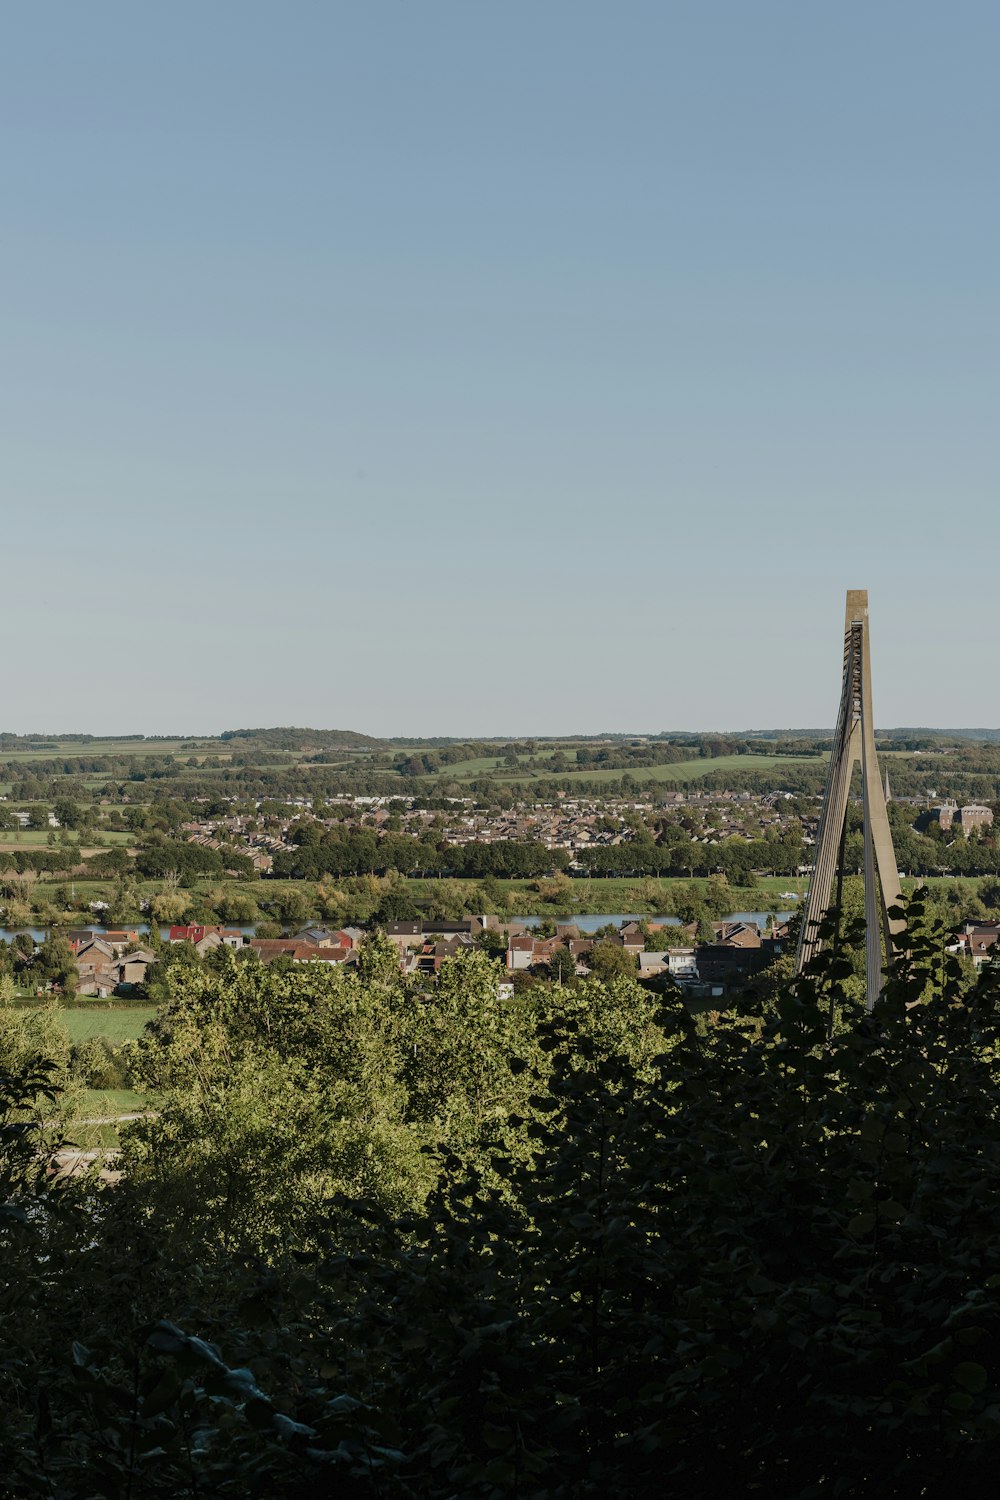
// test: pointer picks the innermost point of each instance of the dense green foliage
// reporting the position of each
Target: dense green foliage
(321, 853)
(382, 1241)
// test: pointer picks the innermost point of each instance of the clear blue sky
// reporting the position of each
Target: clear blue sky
(468, 368)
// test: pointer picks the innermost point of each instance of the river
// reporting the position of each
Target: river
(584, 924)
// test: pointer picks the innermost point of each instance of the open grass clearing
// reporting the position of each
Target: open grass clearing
(123, 1023)
(27, 838)
(35, 838)
(467, 768)
(99, 1104)
(96, 1122)
(93, 1137)
(77, 749)
(681, 770)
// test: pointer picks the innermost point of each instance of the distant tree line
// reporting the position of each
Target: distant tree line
(362, 852)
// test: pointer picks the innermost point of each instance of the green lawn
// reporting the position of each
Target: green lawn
(117, 1023)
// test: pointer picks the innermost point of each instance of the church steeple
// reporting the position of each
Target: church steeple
(888, 793)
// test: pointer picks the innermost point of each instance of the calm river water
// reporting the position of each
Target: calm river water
(585, 924)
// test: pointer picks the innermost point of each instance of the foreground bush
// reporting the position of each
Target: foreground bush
(757, 1260)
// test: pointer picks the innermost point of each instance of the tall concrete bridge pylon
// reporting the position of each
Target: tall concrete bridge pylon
(853, 744)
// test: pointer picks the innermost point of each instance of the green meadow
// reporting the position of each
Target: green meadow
(122, 1023)
(681, 770)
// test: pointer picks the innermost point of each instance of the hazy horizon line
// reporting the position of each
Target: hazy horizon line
(504, 735)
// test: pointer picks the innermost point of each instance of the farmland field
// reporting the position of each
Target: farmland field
(38, 838)
(466, 768)
(74, 749)
(123, 1023)
(684, 770)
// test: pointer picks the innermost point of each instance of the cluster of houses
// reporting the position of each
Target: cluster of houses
(258, 848)
(738, 952)
(109, 962)
(117, 961)
(977, 940)
(574, 824)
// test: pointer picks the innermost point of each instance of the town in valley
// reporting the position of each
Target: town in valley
(676, 858)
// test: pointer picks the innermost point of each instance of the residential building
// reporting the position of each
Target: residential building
(974, 817)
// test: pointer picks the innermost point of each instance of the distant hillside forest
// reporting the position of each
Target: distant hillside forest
(288, 763)
(298, 739)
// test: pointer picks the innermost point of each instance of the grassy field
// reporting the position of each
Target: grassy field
(681, 770)
(117, 1023)
(35, 838)
(73, 749)
(28, 838)
(97, 1104)
(104, 1105)
(199, 748)
(466, 769)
